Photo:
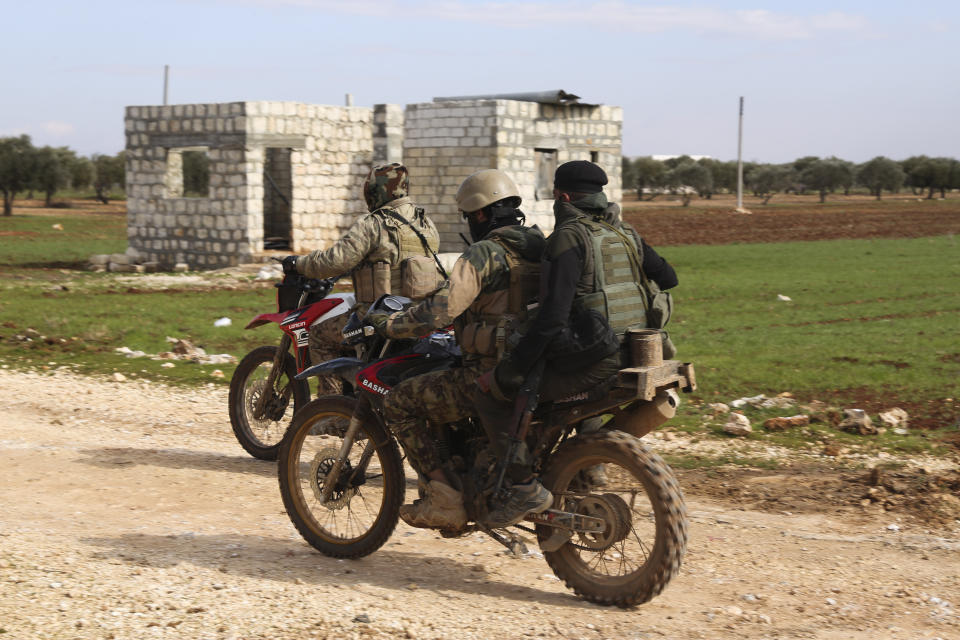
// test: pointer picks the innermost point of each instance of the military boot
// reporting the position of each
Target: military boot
(441, 508)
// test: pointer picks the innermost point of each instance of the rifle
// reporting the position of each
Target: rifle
(523, 408)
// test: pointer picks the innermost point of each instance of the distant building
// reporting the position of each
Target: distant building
(288, 176)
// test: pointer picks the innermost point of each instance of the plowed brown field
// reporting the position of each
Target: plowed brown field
(715, 221)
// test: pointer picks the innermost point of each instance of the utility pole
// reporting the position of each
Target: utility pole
(166, 82)
(740, 160)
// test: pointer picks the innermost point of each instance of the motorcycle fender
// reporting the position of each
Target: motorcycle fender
(266, 318)
(347, 302)
(345, 368)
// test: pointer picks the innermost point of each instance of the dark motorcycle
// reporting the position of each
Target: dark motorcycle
(264, 382)
(616, 537)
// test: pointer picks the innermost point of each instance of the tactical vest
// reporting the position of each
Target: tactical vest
(415, 273)
(614, 283)
(483, 328)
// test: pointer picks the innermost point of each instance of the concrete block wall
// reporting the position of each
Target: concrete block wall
(444, 142)
(331, 150)
(164, 227)
(331, 153)
(387, 133)
(575, 132)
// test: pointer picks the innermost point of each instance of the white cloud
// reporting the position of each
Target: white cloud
(57, 128)
(618, 15)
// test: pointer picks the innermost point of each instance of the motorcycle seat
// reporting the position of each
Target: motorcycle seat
(593, 394)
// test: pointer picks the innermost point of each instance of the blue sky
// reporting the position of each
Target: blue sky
(852, 79)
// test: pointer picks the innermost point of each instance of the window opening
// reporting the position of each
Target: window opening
(188, 172)
(545, 164)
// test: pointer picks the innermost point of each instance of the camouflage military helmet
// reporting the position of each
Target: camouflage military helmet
(384, 183)
(485, 187)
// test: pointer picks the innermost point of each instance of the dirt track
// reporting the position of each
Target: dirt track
(130, 512)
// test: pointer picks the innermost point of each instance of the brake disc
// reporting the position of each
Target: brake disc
(274, 407)
(319, 468)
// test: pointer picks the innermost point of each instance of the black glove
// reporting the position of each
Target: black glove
(289, 265)
(507, 380)
(378, 320)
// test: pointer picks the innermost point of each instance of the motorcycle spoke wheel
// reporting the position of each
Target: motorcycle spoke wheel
(644, 540)
(260, 432)
(363, 506)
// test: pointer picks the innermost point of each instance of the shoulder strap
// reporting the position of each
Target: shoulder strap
(423, 241)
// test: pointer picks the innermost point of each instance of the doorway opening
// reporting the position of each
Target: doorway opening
(277, 196)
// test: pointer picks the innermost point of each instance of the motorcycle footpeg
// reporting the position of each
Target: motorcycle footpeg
(511, 541)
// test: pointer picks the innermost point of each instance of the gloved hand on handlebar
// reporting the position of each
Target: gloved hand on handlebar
(378, 320)
(289, 265)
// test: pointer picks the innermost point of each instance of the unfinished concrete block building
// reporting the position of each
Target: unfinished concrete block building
(287, 176)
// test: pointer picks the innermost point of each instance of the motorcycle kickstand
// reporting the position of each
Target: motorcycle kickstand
(511, 541)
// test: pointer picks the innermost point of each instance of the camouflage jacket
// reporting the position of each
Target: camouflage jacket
(478, 283)
(374, 237)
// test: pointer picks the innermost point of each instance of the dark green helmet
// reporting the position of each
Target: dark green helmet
(384, 183)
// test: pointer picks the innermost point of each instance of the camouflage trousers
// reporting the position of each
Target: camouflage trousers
(325, 343)
(435, 398)
(497, 416)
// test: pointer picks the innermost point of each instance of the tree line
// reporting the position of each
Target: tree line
(687, 177)
(25, 168)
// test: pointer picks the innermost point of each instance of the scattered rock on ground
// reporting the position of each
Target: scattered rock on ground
(857, 421)
(895, 418)
(783, 424)
(738, 425)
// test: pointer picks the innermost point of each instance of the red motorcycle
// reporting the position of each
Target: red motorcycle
(264, 382)
(615, 538)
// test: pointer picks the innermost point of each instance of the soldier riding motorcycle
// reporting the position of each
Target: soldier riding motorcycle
(619, 543)
(615, 538)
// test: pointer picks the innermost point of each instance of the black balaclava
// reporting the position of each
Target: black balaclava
(502, 213)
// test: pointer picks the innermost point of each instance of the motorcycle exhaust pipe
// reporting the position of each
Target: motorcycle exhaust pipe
(643, 417)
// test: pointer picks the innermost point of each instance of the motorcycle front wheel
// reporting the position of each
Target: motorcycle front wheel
(363, 507)
(260, 435)
(614, 476)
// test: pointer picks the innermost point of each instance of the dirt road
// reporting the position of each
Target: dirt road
(129, 511)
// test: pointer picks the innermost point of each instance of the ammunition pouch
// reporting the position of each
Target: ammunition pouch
(419, 277)
(587, 339)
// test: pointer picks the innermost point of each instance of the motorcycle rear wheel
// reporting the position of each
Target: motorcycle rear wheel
(360, 515)
(260, 437)
(646, 536)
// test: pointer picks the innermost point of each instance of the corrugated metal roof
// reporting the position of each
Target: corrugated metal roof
(555, 96)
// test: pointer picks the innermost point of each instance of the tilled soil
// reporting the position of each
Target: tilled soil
(716, 221)
(129, 511)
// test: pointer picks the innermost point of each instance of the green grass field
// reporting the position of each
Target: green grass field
(881, 315)
(869, 323)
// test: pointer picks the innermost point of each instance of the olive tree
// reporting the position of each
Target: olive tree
(879, 174)
(50, 171)
(769, 179)
(81, 173)
(109, 172)
(649, 174)
(825, 175)
(628, 174)
(16, 156)
(689, 178)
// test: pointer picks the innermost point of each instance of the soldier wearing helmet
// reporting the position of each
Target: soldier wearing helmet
(373, 250)
(594, 264)
(485, 296)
